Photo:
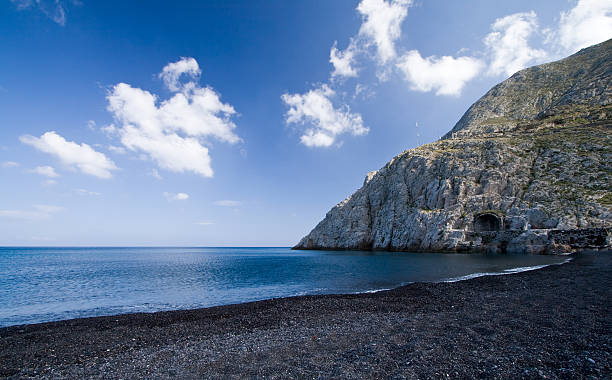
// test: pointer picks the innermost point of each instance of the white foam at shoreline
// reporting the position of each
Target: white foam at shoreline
(373, 291)
(505, 271)
(472, 275)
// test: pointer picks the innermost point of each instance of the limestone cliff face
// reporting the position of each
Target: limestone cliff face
(531, 156)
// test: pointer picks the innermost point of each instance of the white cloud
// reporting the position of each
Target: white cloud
(38, 212)
(508, 48)
(117, 149)
(325, 122)
(22, 214)
(49, 182)
(82, 157)
(380, 28)
(342, 61)
(47, 171)
(10, 164)
(588, 23)
(172, 131)
(155, 174)
(54, 9)
(172, 72)
(91, 125)
(381, 25)
(48, 209)
(110, 130)
(181, 196)
(363, 91)
(176, 197)
(205, 223)
(83, 192)
(227, 203)
(445, 75)
(508, 43)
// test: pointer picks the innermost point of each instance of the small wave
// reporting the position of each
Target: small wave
(505, 271)
(373, 291)
(383, 289)
(524, 269)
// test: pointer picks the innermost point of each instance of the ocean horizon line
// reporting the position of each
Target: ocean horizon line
(145, 246)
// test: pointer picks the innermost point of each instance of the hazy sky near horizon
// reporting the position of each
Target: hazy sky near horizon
(239, 123)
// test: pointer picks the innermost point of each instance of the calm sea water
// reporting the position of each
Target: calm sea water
(47, 284)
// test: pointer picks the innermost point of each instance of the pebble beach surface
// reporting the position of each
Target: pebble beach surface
(554, 322)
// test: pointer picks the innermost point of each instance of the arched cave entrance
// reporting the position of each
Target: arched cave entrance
(486, 222)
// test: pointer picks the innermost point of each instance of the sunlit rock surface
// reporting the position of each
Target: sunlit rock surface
(530, 158)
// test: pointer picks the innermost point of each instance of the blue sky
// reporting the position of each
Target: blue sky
(239, 123)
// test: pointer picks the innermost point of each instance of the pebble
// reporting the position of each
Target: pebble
(404, 333)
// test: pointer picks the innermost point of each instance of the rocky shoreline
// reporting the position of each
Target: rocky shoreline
(548, 323)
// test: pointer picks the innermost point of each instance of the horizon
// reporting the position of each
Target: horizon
(135, 246)
(239, 124)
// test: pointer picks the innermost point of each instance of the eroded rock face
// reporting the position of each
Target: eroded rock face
(566, 86)
(537, 157)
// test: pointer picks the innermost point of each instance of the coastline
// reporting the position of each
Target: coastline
(549, 322)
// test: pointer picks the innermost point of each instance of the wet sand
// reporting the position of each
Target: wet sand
(554, 322)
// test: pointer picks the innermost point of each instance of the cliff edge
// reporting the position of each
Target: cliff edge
(526, 169)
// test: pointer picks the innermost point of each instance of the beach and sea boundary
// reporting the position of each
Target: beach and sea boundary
(553, 322)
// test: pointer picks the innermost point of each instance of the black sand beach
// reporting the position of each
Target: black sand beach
(554, 322)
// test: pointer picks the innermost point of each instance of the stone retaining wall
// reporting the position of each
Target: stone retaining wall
(540, 240)
(582, 238)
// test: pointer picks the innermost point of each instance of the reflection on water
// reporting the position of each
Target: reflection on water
(45, 284)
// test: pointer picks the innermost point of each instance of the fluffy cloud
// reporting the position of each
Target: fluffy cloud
(445, 75)
(38, 212)
(47, 171)
(176, 197)
(342, 61)
(325, 122)
(81, 157)
(181, 196)
(172, 132)
(508, 43)
(173, 71)
(381, 25)
(508, 48)
(381, 28)
(588, 23)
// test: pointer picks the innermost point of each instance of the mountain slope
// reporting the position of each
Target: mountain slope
(527, 160)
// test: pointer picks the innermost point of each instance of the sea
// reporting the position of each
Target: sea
(51, 283)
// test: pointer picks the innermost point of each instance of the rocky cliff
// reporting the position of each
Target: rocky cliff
(526, 169)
